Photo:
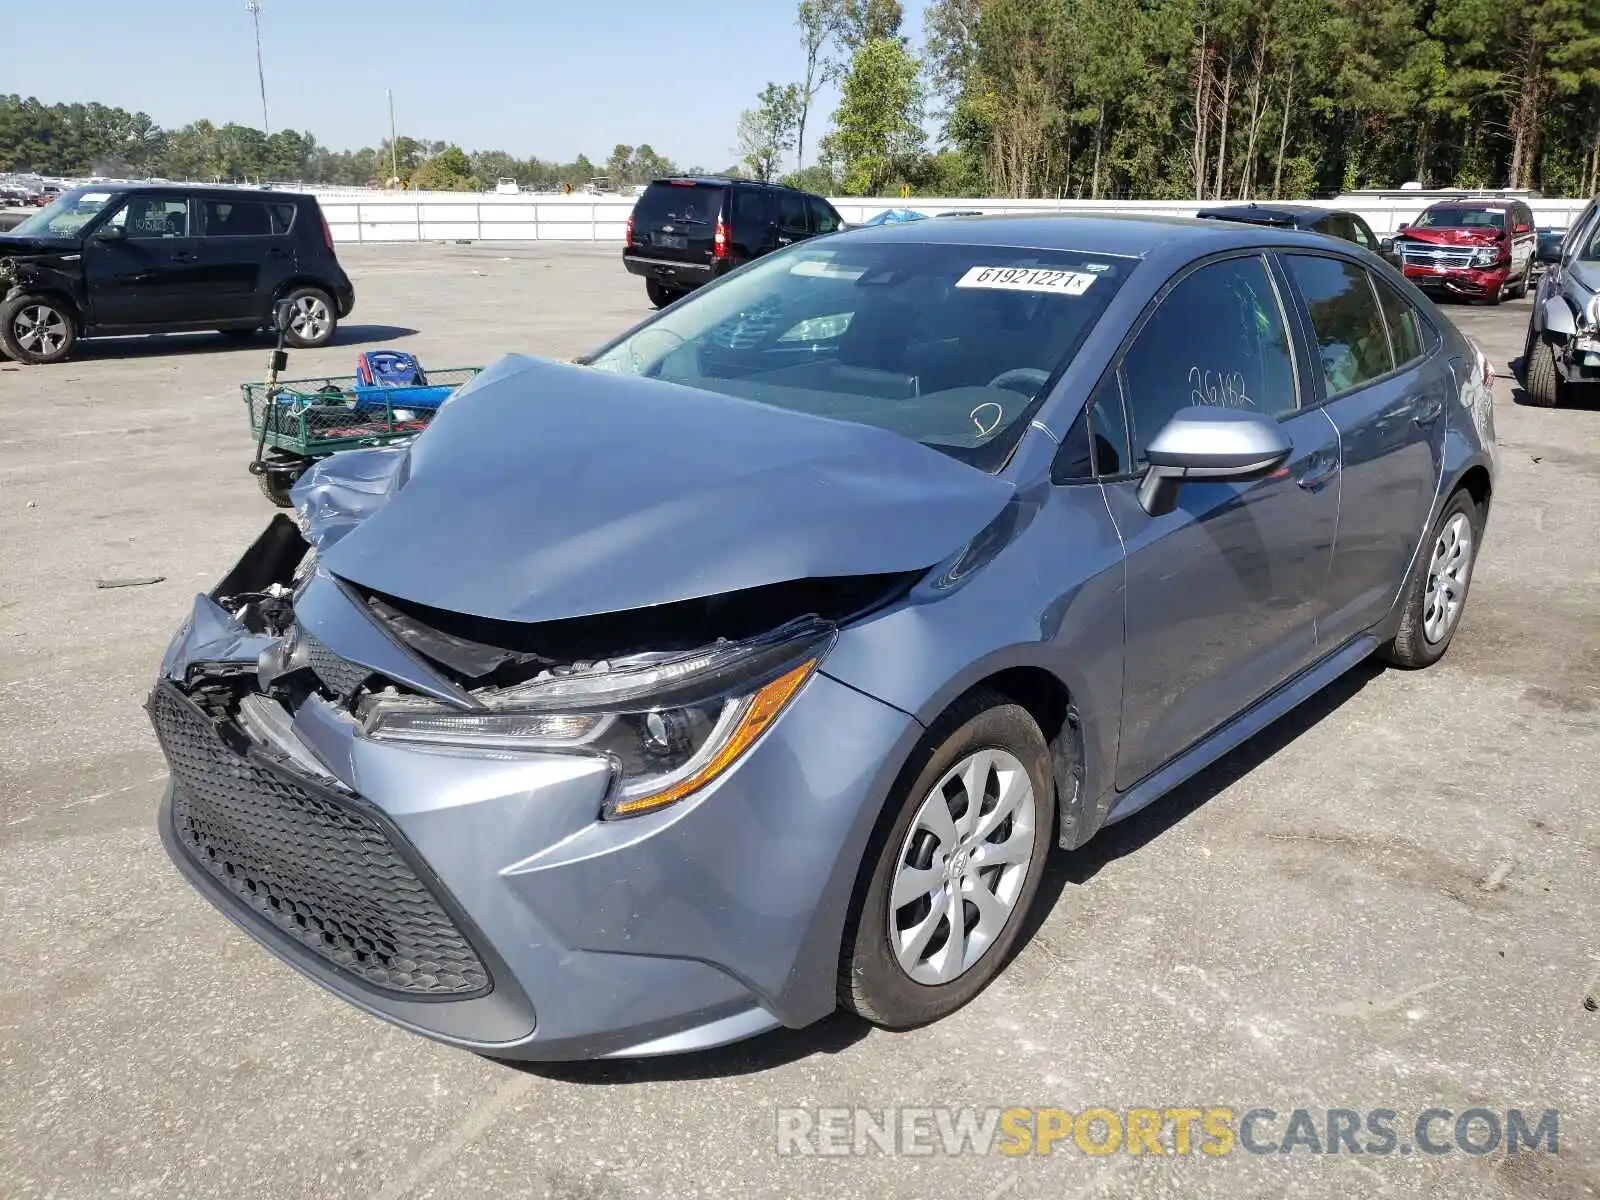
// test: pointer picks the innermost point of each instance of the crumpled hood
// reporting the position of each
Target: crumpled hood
(543, 491)
(1452, 237)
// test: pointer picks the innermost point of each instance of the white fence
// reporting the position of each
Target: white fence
(451, 216)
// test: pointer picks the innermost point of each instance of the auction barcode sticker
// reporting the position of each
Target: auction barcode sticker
(1027, 279)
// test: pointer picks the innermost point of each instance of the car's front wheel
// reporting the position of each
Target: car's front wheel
(953, 867)
(308, 316)
(1437, 594)
(37, 329)
(1540, 376)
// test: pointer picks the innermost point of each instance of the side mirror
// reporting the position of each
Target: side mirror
(110, 233)
(1549, 251)
(1524, 228)
(1405, 224)
(1216, 444)
(1386, 246)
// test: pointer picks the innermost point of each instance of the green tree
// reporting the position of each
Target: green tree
(450, 170)
(767, 131)
(818, 21)
(878, 134)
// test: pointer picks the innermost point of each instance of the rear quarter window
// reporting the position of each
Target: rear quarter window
(686, 203)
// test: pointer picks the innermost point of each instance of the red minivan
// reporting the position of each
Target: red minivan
(1474, 249)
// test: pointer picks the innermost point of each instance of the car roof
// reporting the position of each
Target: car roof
(192, 189)
(1288, 214)
(1123, 234)
(1486, 202)
(722, 181)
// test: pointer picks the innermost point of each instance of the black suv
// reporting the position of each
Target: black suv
(117, 259)
(686, 232)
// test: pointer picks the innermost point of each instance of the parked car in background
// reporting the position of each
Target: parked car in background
(739, 672)
(119, 259)
(1563, 343)
(1331, 222)
(686, 232)
(1471, 249)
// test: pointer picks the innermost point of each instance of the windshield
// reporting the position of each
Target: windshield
(952, 346)
(66, 215)
(1462, 218)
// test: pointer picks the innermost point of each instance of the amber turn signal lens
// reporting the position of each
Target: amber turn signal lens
(762, 710)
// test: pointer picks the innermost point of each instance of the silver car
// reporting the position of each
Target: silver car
(1563, 345)
(755, 665)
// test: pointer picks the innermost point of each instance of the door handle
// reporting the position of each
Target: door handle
(1429, 411)
(1320, 468)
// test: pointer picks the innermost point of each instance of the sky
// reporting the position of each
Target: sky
(546, 77)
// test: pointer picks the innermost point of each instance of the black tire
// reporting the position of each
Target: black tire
(275, 486)
(872, 982)
(659, 293)
(37, 329)
(1411, 648)
(1541, 379)
(1527, 280)
(310, 326)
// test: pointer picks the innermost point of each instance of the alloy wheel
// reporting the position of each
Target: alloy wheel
(962, 866)
(309, 317)
(1448, 573)
(39, 329)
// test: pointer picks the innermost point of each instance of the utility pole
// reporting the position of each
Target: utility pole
(253, 7)
(394, 146)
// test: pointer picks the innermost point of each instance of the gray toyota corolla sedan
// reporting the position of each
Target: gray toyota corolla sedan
(754, 665)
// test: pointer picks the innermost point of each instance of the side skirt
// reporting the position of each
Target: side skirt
(1246, 725)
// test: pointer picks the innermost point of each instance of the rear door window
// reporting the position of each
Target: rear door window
(1349, 327)
(236, 218)
(1405, 326)
(792, 216)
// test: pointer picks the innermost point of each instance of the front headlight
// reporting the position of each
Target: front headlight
(1591, 311)
(669, 723)
(1485, 256)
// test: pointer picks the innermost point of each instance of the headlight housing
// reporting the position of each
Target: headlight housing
(1486, 256)
(1591, 312)
(670, 723)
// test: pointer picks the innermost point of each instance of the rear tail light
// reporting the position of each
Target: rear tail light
(719, 244)
(327, 232)
(629, 234)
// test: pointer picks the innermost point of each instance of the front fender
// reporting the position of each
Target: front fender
(1558, 317)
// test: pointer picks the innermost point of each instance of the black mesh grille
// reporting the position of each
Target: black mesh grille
(314, 867)
(339, 675)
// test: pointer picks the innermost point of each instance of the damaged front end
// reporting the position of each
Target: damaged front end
(412, 806)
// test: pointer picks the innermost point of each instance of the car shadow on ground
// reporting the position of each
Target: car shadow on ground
(842, 1029)
(156, 345)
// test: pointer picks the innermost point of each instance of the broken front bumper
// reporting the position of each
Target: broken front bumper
(483, 902)
(1459, 281)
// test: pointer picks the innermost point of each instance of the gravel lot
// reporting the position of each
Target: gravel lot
(1388, 900)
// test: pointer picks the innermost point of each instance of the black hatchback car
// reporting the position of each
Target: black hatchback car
(687, 232)
(106, 260)
(1331, 222)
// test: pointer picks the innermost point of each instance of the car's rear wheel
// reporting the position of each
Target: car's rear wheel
(309, 316)
(37, 329)
(953, 867)
(659, 293)
(1542, 380)
(1437, 594)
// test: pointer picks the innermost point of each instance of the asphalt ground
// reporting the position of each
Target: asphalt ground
(1386, 901)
